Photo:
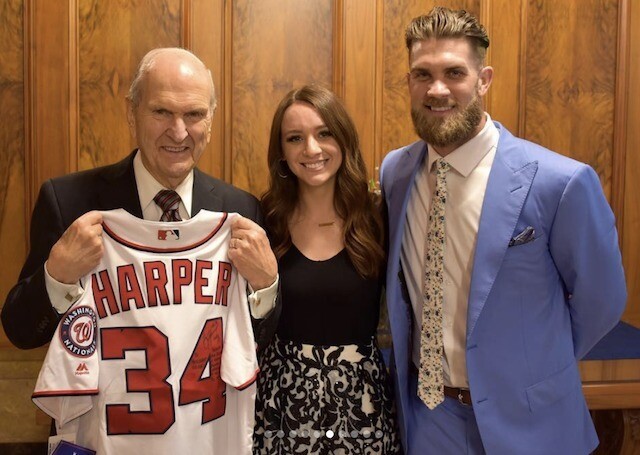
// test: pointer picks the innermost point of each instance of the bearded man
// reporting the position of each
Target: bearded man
(504, 267)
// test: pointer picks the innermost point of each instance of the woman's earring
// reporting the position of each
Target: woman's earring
(283, 169)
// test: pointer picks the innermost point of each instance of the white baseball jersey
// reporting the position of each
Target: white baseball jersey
(158, 354)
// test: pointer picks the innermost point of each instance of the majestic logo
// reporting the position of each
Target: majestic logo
(168, 234)
(78, 331)
(82, 369)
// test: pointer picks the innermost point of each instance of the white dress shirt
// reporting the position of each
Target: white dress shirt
(466, 185)
(63, 295)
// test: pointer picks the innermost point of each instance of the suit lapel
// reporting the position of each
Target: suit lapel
(509, 182)
(407, 167)
(119, 188)
(204, 196)
(398, 197)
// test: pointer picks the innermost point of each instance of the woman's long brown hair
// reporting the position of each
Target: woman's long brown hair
(363, 228)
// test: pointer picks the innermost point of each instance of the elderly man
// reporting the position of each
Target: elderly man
(170, 107)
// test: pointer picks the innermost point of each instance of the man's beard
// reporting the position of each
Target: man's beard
(454, 129)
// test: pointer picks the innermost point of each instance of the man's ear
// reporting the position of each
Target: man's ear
(485, 76)
(131, 118)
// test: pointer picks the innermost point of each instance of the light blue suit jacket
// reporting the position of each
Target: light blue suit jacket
(533, 309)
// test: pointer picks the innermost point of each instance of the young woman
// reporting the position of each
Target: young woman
(323, 387)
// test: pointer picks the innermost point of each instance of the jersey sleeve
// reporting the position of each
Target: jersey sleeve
(239, 363)
(69, 375)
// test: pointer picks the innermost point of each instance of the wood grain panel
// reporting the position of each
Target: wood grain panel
(397, 129)
(276, 45)
(13, 209)
(504, 26)
(570, 86)
(205, 36)
(631, 227)
(112, 38)
(610, 370)
(359, 77)
(612, 395)
(49, 134)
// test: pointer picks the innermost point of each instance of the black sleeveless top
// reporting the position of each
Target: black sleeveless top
(326, 302)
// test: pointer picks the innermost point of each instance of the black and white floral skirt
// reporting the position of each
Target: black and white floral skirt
(324, 400)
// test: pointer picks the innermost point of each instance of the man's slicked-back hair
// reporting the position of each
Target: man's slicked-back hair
(443, 22)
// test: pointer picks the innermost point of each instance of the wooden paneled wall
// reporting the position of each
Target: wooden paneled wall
(567, 75)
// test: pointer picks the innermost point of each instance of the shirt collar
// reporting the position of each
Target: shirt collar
(148, 186)
(465, 158)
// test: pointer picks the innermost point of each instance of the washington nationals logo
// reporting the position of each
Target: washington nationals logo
(77, 331)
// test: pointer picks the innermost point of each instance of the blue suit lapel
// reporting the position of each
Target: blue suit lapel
(509, 182)
(407, 167)
(399, 310)
(402, 176)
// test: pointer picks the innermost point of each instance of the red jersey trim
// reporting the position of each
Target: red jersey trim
(146, 248)
(64, 393)
(250, 381)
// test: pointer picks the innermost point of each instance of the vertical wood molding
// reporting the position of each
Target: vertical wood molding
(522, 77)
(620, 118)
(30, 162)
(379, 91)
(339, 51)
(502, 18)
(486, 18)
(227, 78)
(359, 69)
(74, 87)
(186, 25)
(204, 33)
(631, 220)
(47, 92)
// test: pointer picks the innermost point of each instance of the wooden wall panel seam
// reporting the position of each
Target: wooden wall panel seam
(186, 24)
(522, 100)
(620, 117)
(30, 163)
(74, 87)
(338, 46)
(486, 18)
(227, 92)
(379, 91)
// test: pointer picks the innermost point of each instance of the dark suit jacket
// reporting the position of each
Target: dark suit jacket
(28, 318)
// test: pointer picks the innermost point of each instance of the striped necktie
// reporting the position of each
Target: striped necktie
(169, 202)
(430, 382)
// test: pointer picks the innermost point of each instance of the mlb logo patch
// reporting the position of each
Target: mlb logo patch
(168, 234)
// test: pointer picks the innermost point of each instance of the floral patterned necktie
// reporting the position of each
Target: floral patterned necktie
(430, 382)
(169, 202)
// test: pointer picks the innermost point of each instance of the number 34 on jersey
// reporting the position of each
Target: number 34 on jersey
(158, 354)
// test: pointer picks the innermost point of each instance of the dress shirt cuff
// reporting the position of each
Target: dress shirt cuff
(262, 301)
(61, 295)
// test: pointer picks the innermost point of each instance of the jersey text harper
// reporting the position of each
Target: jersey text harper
(162, 285)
